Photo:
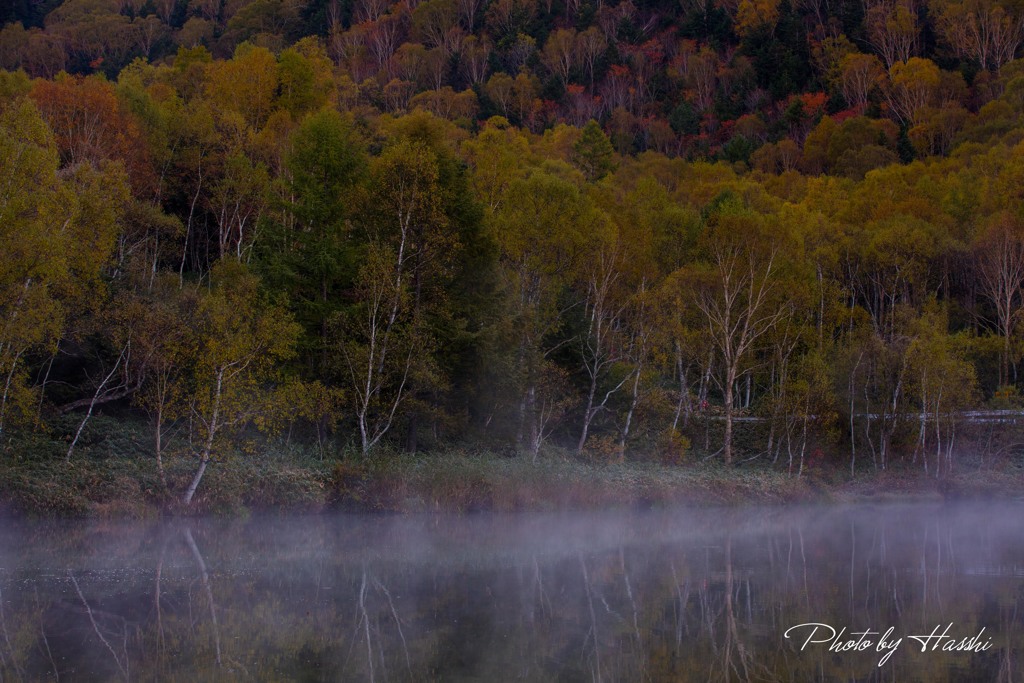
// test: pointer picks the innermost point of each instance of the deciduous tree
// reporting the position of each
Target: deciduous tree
(736, 290)
(999, 263)
(240, 337)
(385, 341)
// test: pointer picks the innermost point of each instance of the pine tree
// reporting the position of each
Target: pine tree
(594, 152)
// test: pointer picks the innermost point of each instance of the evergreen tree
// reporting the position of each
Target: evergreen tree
(593, 153)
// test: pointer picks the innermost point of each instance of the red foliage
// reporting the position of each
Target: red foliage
(719, 132)
(814, 103)
(618, 71)
(845, 114)
(90, 125)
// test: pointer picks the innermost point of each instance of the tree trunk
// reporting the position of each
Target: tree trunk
(588, 414)
(634, 400)
(1004, 370)
(187, 500)
(536, 438)
(208, 446)
(159, 442)
(92, 402)
(684, 394)
(532, 428)
(727, 445)
(853, 435)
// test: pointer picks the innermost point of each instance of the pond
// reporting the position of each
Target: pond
(915, 592)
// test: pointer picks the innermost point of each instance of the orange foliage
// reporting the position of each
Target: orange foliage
(90, 126)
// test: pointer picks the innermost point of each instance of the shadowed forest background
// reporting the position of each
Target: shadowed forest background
(790, 231)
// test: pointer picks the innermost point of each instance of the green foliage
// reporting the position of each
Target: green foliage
(594, 154)
(739, 148)
(308, 252)
(684, 119)
(57, 231)
(257, 234)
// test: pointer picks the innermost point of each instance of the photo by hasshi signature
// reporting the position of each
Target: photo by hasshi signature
(940, 639)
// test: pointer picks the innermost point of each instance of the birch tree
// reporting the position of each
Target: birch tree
(735, 289)
(942, 383)
(239, 337)
(999, 263)
(603, 306)
(58, 230)
(385, 342)
(539, 230)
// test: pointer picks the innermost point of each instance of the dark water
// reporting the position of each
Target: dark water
(658, 596)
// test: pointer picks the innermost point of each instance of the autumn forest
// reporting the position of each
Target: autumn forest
(786, 231)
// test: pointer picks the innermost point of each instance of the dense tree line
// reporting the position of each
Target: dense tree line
(231, 244)
(735, 79)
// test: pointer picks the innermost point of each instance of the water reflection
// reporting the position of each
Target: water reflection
(661, 596)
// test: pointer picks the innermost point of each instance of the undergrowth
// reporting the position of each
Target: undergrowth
(112, 472)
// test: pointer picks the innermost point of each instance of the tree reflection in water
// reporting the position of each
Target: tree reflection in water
(661, 596)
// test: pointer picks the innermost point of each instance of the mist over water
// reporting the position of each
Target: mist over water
(679, 595)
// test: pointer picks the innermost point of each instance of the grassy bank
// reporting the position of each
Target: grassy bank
(113, 473)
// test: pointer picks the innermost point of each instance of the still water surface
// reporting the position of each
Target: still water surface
(683, 595)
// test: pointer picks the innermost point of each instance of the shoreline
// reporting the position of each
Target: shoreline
(457, 482)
